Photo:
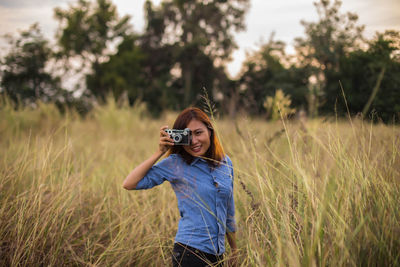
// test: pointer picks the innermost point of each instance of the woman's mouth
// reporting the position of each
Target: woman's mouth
(196, 148)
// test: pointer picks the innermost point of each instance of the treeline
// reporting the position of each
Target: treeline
(186, 46)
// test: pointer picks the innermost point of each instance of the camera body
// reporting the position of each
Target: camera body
(180, 137)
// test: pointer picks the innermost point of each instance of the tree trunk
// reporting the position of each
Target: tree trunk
(233, 103)
(187, 81)
(374, 92)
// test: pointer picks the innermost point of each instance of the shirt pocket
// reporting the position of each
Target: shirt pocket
(224, 188)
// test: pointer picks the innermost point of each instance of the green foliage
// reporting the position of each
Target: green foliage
(157, 63)
(208, 25)
(87, 29)
(265, 71)
(25, 78)
(122, 73)
(329, 53)
(329, 39)
(361, 71)
(185, 47)
(326, 42)
(86, 33)
(201, 36)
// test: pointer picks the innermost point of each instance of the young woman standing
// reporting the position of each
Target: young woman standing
(201, 175)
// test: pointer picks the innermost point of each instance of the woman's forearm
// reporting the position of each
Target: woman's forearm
(140, 171)
(232, 240)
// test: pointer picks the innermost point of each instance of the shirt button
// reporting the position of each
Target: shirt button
(216, 184)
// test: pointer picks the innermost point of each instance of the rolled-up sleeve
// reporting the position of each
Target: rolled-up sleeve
(157, 174)
(230, 218)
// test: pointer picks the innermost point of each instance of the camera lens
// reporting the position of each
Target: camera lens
(177, 138)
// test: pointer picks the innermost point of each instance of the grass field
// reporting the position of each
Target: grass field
(313, 193)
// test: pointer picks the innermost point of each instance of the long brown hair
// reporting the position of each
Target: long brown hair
(215, 152)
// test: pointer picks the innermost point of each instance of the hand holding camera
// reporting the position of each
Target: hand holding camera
(165, 140)
(171, 137)
(180, 137)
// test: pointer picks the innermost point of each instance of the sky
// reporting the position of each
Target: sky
(263, 18)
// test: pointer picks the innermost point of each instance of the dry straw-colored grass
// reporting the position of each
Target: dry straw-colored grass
(307, 193)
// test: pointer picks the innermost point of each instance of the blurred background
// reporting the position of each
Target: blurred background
(261, 58)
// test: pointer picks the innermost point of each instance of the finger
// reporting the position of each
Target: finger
(162, 131)
(165, 143)
(166, 139)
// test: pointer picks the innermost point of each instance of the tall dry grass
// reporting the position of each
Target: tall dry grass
(307, 193)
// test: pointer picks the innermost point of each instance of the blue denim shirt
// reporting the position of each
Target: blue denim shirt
(205, 200)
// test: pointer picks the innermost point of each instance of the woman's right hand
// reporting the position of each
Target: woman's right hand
(165, 141)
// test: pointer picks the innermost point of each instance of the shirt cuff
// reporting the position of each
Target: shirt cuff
(231, 226)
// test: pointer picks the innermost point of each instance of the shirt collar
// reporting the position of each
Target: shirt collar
(197, 159)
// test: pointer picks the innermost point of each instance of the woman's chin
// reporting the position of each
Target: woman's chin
(196, 153)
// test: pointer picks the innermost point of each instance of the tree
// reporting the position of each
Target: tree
(201, 33)
(327, 41)
(371, 78)
(140, 69)
(24, 76)
(122, 72)
(87, 32)
(262, 69)
(267, 70)
(160, 91)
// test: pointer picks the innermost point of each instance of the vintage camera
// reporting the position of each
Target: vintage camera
(180, 137)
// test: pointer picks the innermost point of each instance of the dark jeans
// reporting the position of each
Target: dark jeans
(185, 256)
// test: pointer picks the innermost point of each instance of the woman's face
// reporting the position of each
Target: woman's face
(200, 139)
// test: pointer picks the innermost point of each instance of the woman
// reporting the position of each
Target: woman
(201, 176)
